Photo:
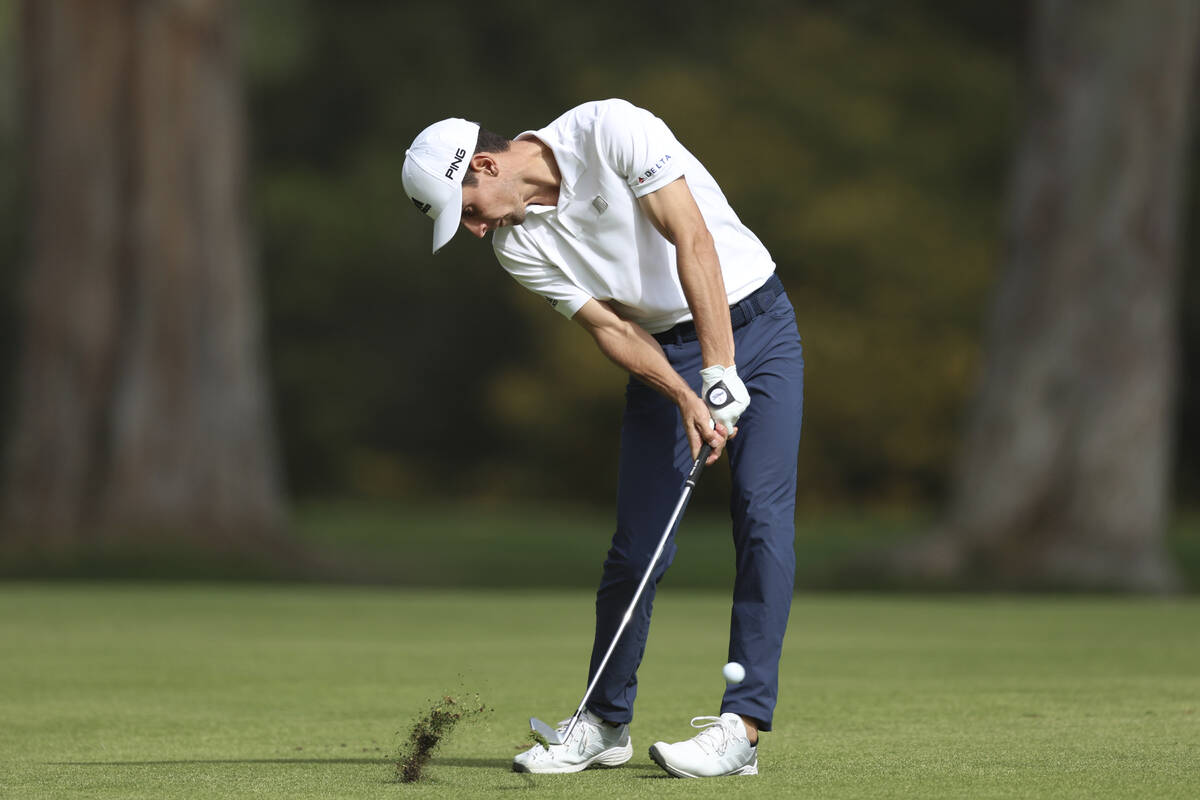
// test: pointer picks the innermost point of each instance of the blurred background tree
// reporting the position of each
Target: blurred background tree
(1065, 473)
(141, 404)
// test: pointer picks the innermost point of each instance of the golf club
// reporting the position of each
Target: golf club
(549, 733)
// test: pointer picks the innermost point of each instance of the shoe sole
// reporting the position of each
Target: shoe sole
(613, 757)
(675, 772)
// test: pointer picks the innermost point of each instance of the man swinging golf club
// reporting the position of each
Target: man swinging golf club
(606, 215)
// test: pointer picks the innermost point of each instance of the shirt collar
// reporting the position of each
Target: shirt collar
(570, 166)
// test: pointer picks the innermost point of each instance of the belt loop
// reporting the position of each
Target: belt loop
(755, 303)
(747, 310)
(766, 296)
(758, 301)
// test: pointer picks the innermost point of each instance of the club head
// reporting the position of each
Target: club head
(548, 733)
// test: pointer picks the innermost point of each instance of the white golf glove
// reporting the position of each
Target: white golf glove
(725, 395)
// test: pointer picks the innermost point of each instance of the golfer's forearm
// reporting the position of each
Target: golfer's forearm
(700, 274)
(629, 346)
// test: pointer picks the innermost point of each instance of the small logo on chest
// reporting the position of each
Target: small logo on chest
(600, 204)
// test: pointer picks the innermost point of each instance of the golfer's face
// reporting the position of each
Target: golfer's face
(491, 204)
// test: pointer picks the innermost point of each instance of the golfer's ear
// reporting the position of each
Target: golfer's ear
(485, 163)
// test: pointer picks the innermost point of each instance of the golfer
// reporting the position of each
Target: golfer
(609, 218)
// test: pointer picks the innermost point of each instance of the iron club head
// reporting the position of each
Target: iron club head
(548, 733)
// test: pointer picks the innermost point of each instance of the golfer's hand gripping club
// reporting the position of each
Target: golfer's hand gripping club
(725, 395)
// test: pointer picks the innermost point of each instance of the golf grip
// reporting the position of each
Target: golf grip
(698, 465)
(688, 486)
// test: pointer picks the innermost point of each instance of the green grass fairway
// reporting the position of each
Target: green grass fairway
(198, 691)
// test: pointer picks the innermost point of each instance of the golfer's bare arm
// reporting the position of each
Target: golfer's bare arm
(629, 346)
(674, 212)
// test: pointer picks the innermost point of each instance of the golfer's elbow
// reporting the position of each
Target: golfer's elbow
(696, 241)
(613, 337)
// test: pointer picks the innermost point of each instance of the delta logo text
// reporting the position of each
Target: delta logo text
(422, 207)
(459, 155)
(658, 167)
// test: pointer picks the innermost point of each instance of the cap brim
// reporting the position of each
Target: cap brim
(446, 224)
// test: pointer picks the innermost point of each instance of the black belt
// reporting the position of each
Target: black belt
(740, 312)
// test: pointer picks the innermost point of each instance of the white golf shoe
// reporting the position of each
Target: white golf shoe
(720, 748)
(592, 744)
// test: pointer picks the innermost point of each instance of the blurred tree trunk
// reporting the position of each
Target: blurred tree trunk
(142, 406)
(1064, 476)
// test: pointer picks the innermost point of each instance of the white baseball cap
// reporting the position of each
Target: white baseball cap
(433, 171)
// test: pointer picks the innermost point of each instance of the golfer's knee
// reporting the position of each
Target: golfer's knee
(625, 567)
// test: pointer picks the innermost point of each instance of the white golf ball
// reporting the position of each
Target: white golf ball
(734, 672)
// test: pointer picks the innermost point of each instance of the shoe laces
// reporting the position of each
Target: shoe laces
(714, 735)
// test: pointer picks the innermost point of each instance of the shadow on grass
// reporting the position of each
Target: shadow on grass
(506, 765)
(183, 762)
(479, 763)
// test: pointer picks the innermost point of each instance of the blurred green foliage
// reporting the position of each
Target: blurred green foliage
(868, 151)
(866, 143)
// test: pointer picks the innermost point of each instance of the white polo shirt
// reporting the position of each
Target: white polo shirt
(597, 243)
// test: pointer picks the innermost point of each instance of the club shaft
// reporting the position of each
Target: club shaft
(688, 486)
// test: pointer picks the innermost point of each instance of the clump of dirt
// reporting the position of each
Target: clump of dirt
(537, 738)
(428, 732)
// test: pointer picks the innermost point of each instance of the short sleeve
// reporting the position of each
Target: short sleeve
(539, 276)
(639, 146)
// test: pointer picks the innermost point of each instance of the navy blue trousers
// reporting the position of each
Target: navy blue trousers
(655, 458)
